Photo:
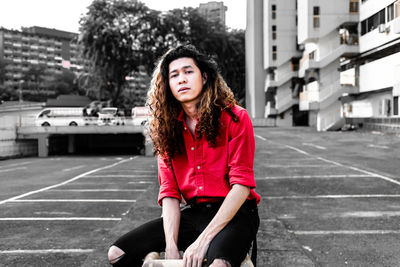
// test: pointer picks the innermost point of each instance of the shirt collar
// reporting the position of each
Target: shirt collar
(181, 117)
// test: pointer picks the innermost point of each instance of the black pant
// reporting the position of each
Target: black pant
(232, 243)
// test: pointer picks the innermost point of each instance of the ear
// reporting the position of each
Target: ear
(204, 78)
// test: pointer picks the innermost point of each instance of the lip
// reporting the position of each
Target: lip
(183, 89)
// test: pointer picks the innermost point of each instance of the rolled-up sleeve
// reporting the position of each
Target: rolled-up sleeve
(168, 186)
(241, 151)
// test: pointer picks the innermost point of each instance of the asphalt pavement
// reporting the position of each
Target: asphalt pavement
(328, 199)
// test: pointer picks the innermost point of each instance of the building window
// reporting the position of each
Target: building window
(273, 32)
(353, 6)
(274, 52)
(316, 14)
(396, 105)
(273, 9)
(311, 55)
(390, 13)
(373, 22)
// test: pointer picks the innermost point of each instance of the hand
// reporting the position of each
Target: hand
(195, 253)
(172, 253)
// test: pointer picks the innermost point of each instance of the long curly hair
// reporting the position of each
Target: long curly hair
(164, 128)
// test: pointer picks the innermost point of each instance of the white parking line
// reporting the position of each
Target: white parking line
(66, 182)
(347, 232)
(332, 196)
(12, 169)
(350, 167)
(260, 137)
(298, 150)
(45, 251)
(59, 219)
(377, 146)
(315, 176)
(73, 200)
(313, 145)
(16, 164)
(97, 190)
(140, 182)
(361, 214)
(375, 174)
(119, 176)
(301, 166)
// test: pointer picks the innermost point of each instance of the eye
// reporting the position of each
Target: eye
(189, 71)
(173, 75)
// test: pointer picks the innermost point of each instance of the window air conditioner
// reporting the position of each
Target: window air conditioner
(382, 28)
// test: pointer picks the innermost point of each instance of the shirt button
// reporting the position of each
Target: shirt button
(184, 128)
(200, 187)
(192, 148)
(198, 167)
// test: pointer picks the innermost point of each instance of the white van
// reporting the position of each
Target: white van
(140, 115)
(109, 116)
(60, 117)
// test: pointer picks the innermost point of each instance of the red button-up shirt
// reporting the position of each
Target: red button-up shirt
(208, 173)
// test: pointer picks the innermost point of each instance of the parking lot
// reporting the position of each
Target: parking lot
(328, 199)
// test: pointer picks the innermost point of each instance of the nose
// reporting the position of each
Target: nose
(182, 78)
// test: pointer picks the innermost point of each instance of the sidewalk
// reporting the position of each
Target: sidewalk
(276, 246)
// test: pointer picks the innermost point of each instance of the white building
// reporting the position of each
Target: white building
(377, 102)
(281, 60)
(328, 30)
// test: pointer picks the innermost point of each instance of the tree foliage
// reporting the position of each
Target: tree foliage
(118, 36)
(112, 34)
(64, 83)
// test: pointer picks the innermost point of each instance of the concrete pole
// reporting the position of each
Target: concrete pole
(71, 144)
(43, 146)
(255, 72)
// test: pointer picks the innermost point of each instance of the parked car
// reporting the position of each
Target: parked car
(140, 115)
(110, 116)
(60, 117)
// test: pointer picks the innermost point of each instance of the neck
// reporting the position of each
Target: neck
(190, 110)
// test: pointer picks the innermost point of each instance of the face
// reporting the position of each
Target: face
(185, 80)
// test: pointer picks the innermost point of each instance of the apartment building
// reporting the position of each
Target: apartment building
(376, 104)
(213, 11)
(305, 44)
(281, 62)
(328, 31)
(31, 47)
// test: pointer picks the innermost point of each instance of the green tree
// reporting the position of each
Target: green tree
(34, 78)
(120, 36)
(63, 83)
(113, 34)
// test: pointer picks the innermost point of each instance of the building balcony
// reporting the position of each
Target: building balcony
(283, 104)
(309, 98)
(308, 62)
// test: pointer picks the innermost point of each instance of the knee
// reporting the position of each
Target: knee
(220, 263)
(114, 254)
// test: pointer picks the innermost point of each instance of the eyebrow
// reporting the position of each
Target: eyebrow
(184, 67)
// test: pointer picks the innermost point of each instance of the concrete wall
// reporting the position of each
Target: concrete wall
(9, 147)
(286, 31)
(381, 73)
(332, 14)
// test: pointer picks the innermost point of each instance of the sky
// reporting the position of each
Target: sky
(65, 14)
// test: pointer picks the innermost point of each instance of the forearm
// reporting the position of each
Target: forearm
(171, 218)
(232, 203)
